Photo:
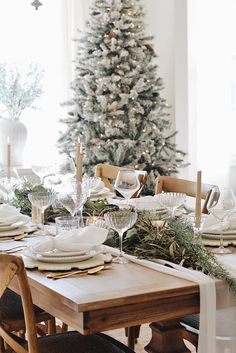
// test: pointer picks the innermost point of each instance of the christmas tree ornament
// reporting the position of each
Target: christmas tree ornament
(117, 109)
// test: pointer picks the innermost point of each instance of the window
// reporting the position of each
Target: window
(27, 35)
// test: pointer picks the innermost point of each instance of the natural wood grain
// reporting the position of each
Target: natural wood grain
(116, 298)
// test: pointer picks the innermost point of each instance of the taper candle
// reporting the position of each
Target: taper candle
(198, 200)
(8, 158)
(79, 161)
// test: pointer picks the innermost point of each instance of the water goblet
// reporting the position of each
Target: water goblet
(42, 171)
(221, 204)
(171, 200)
(73, 200)
(8, 181)
(127, 183)
(42, 200)
(121, 221)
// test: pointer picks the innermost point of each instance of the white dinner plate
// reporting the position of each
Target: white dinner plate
(12, 233)
(62, 259)
(100, 192)
(230, 236)
(12, 226)
(58, 253)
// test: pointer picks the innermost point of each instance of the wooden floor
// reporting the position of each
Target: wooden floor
(144, 339)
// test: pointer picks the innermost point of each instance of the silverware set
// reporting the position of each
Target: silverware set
(88, 271)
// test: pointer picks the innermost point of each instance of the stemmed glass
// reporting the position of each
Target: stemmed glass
(127, 183)
(121, 221)
(171, 200)
(8, 183)
(221, 205)
(42, 171)
(73, 200)
(42, 200)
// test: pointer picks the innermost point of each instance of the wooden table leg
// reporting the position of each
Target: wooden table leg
(167, 337)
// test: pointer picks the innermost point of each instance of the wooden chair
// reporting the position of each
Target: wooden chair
(171, 184)
(12, 268)
(109, 173)
(12, 315)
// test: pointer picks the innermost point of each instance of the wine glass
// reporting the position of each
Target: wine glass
(171, 200)
(73, 200)
(42, 171)
(127, 183)
(121, 221)
(42, 200)
(221, 205)
(9, 181)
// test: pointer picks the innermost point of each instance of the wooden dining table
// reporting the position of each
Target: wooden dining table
(123, 296)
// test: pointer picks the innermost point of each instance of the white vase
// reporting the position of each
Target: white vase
(16, 133)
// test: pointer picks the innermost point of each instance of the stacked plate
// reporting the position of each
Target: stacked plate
(13, 226)
(57, 256)
(227, 234)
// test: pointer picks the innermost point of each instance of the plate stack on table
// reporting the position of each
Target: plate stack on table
(212, 230)
(13, 223)
(101, 192)
(80, 249)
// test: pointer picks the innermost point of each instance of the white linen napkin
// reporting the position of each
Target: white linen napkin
(213, 225)
(76, 240)
(9, 214)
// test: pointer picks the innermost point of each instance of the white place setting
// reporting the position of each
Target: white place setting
(79, 248)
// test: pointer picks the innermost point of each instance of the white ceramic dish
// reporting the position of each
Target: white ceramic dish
(11, 233)
(57, 253)
(62, 259)
(226, 236)
(12, 226)
(100, 192)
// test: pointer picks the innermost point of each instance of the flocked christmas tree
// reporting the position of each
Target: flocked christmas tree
(117, 110)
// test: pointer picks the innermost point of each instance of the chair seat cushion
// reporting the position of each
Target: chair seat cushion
(192, 321)
(11, 306)
(74, 342)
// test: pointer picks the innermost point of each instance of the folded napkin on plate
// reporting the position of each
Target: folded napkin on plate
(76, 240)
(9, 214)
(212, 224)
(146, 203)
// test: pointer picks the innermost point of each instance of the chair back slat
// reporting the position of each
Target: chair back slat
(171, 184)
(12, 266)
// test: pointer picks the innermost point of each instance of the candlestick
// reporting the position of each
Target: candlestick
(79, 161)
(198, 200)
(8, 158)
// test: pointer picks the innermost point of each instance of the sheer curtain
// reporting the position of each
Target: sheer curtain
(45, 37)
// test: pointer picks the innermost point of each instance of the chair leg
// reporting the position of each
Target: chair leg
(191, 337)
(64, 327)
(133, 334)
(2, 346)
(51, 326)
